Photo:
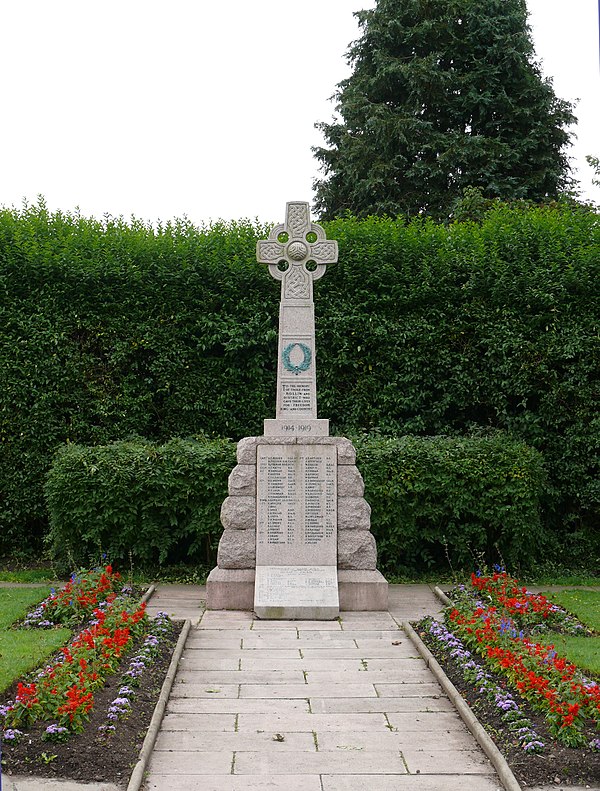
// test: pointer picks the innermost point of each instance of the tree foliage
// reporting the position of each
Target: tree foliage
(444, 95)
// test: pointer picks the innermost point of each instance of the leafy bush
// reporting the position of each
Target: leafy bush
(109, 329)
(157, 504)
(436, 500)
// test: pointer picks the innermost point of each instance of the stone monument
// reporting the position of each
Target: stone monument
(296, 540)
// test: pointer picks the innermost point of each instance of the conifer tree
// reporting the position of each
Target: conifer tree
(444, 95)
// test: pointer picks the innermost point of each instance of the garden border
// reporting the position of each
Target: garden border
(507, 778)
(137, 776)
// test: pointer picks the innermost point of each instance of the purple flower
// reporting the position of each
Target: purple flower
(12, 734)
(534, 745)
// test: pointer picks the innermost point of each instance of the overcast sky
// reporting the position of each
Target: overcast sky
(207, 109)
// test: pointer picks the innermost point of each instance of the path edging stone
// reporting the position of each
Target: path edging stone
(507, 778)
(442, 596)
(148, 595)
(137, 776)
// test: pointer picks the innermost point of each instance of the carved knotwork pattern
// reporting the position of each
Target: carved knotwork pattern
(324, 252)
(297, 219)
(270, 251)
(297, 284)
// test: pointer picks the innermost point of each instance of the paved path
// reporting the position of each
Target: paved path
(290, 705)
(311, 705)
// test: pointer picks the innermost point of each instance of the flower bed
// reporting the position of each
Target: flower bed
(535, 700)
(64, 689)
(112, 669)
(498, 629)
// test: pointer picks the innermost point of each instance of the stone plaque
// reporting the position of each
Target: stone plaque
(307, 592)
(296, 507)
(296, 528)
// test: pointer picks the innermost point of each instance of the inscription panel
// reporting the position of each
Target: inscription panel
(305, 586)
(296, 505)
(296, 397)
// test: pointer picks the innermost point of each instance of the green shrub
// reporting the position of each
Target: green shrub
(109, 329)
(441, 500)
(155, 504)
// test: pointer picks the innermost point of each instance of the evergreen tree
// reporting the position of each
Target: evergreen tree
(444, 95)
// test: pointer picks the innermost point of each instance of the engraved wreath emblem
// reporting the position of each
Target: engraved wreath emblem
(306, 358)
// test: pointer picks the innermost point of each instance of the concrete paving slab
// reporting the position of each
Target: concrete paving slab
(205, 690)
(281, 628)
(221, 617)
(338, 741)
(251, 664)
(417, 703)
(396, 690)
(358, 763)
(218, 705)
(187, 675)
(365, 625)
(370, 618)
(236, 783)
(391, 664)
(196, 763)
(409, 783)
(269, 741)
(319, 626)
(425, 721)
(366, 644)
(22, 783)
(221, 642)
(412, 674)
(294, 723)
(320, 690)
(205, 722)
(441, 762)
(208, 661)
(355, 634)
(349, 651)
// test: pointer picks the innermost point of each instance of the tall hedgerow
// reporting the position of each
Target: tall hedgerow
(112, 329)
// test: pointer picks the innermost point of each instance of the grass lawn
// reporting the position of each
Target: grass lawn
(582, 651)
(584, 604)
(28, 576)
(22, 650)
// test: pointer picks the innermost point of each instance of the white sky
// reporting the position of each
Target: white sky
(206, 108)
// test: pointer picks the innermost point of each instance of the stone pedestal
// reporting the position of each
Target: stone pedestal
(231, 586)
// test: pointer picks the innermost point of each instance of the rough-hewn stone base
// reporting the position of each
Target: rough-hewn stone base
(230, 589)
(362, 590)
(233, 589)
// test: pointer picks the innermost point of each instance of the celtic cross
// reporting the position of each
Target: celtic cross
(297, 253)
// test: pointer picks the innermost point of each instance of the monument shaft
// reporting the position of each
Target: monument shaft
(297, 253)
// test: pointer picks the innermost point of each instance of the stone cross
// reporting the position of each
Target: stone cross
(297, 253)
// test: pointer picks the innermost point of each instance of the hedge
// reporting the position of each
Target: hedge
(138, 502)
(435, 501)
(111, 329)
(440, 502)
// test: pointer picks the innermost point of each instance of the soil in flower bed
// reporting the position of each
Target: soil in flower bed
(557, 764)
(89, 756)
